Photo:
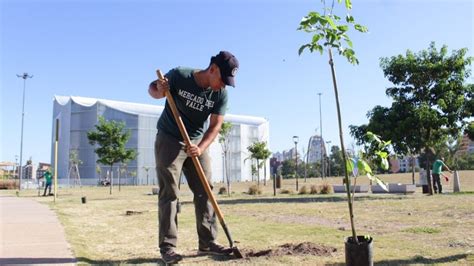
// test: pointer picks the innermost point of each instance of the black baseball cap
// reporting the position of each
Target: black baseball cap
(228, 65)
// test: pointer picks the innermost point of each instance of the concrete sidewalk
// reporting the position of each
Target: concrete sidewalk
(31, 234)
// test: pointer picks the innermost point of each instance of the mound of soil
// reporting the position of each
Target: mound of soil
(306, 248)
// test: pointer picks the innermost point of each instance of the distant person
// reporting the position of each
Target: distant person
(200, 94)
(49, 181)
(436, 173)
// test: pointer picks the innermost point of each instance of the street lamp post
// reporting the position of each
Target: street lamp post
(16, 167)
(321, 131)
(24, 76)
(295, 140)
(329, 161)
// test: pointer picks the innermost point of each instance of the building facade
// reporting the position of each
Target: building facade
(316, 149)
(79, 115)
(466, 146)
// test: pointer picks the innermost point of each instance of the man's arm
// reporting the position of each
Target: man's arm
(215, 124)
(447, 167)
(158, 88)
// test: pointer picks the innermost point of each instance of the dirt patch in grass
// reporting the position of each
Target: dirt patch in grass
(306, 248)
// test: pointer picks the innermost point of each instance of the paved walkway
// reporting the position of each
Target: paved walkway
(31, 234)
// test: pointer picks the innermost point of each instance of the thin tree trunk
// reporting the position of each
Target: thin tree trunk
(111, 179)
(258, 173)
(341, 137)
(264, 172)
(118, 172)
(413, 169)
(227, 169)
(428, 155)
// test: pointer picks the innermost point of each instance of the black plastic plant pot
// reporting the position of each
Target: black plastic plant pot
(84, 200)
(359, 254)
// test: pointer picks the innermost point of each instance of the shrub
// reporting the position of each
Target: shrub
(303, 190)
(254, 190)
(222, 190)
(8, 184)
(326, 189)
(313, 189)
(286, 191)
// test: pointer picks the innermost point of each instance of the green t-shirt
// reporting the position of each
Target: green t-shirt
(194, 104)
(437, 167)
(48, 176)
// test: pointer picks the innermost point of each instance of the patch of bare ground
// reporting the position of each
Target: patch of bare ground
(305, 248)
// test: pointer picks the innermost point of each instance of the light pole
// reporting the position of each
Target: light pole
(16, 167)
(24, 76)
(329, 161)
(321, 131)
(295, 140)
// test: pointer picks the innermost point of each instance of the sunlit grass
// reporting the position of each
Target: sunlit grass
(407, 229)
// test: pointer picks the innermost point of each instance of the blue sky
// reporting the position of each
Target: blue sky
(110, 49)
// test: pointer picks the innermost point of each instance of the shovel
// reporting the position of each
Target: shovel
(200, 171)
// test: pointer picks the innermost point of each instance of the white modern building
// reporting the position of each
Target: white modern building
(79, 115)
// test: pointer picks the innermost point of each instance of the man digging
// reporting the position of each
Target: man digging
(199, 94)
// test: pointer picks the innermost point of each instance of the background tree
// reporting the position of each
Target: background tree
(74, 162)
(111, 140)
(265, 155)
(336, 161)
(259, 151)
(224, 140)
(133, 175)
(147, 169)
(466, 162)
(98, 170)
(288, 168)
(431, 101)
(122, 171)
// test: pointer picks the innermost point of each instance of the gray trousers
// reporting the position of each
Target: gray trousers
(171, 159)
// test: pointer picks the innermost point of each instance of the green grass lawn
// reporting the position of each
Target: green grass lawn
(407, 229)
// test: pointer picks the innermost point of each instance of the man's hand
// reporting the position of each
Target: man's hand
(193, 150)
(158, 88)
(162, 85)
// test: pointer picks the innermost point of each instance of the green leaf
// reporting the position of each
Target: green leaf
(331, 22)
(349, 42)
(342, 28)
(319, 48)
(379, 182)
(349, 18)
(361, 28)
(381, 154)
(372, 137)
(316, 38)
(349, 165)
(363, 167)
(348, 4)
(384, 164)
(323, 20)
(300, 51)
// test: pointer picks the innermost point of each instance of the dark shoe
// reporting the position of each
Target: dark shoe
(215, 249)
(170, 257)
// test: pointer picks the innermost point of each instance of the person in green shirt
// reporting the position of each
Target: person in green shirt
(200, 96)
(436, 172)
(49, 181)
